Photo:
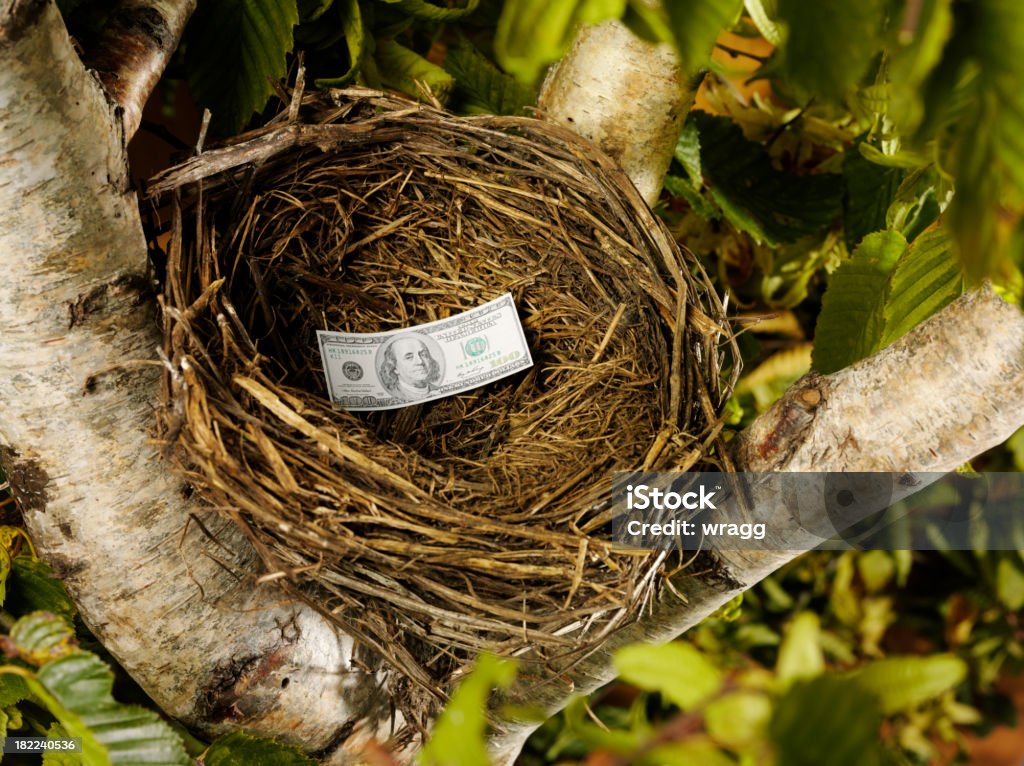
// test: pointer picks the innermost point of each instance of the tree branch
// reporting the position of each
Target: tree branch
(78, 342)
(133, 50)
(631, 103)
(945, 392)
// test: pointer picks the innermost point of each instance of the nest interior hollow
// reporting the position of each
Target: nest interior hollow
(475, 522)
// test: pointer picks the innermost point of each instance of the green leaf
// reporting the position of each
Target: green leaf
(34, 587)
(40, 637)
(5, 571)
(93, 753)
(238, 749)
(678, 186)
(12, 690)
(870, 190)
(884, 290)
(1010, 583)
(764, 13)
(828, 45)
(481, 88)
(738, 719)
(923, 32)
(235, 50)
(927, 278)
(987, 151)
(876, 569)
(349, 21)
(915, 206)
(458, 737)
(851, 322)
(80, 685)
(311, 10)
(677, 670)
(693, 751)
(843, 732)
(60, 757)
(403, 69)
(800, 655)
(1016, 446)
(533, 33)
(421, 9)
(772, 206)
(903, 683)
(695, 25)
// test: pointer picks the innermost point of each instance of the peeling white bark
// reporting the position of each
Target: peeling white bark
(112, 520)
(945, 392)
(76, 315)
(625, 95)
(130, 55)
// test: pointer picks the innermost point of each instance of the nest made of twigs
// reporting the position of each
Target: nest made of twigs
(476, 522)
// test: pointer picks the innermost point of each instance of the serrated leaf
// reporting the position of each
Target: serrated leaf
(349, 21)
(235, 50)
(903, 683)
(34, 587)
(695, 25)
(926, 279)
(678, 671)
(41, 637)
(828, 45)
(533, 33)
(93, 753)
(80, 684)
(851, 322)
(403, 69)
(800, 654)
(843, 732)
(59, 757)
(239, 749)
(870, 190)
(458, 737)
(987, 154)
(79, 681)
(481, 88)
(772, 206)
(12, 690)
(421, 9)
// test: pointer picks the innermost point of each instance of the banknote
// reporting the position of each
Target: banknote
(387, 370)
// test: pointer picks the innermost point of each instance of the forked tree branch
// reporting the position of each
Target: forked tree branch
(133, 50)
(180, 612)
(940, 395)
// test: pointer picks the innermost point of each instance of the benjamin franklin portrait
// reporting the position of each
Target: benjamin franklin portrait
(408, 367)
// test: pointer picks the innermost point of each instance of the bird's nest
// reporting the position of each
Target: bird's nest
(470, 523)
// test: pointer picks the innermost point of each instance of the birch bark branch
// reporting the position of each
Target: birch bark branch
(78, 342)
(940, 395)
(133, 50)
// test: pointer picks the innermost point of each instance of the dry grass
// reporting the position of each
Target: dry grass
(477, 522)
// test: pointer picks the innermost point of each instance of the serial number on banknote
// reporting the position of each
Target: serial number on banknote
(387, 370)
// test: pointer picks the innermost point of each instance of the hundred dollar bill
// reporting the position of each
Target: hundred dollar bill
(387, 370)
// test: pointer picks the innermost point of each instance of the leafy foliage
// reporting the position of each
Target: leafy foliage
(236, 49)
(458, 737)
(238, 749)
(770, 205)
(885, 289)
